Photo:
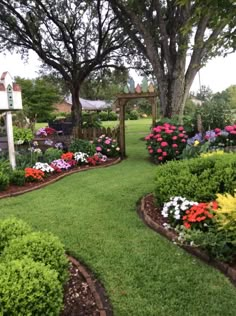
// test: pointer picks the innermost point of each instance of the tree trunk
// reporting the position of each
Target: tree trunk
(76, 109)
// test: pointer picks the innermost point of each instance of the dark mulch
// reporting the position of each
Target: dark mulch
(78, 299)
(15, 190)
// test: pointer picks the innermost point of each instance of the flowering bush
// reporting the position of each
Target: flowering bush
(107, 146)
(166, 142)
(81, 158)
(60, 164)
(67, 156)
(94, 160)
(200, 216)
(32, 174)
(45, 167)
(45, 131)
(175, 209)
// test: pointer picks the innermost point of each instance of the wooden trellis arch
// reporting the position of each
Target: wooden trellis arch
(121, 102)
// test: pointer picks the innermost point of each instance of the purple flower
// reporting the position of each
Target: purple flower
(61, 164)
(197, 137)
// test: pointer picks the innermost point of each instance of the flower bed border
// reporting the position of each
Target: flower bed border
(95, 287)
(225, 268)
(64, 174)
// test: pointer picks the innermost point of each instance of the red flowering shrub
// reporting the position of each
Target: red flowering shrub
(67, 156)
(94, 160)
(32, 174)
(166, 142)
(200, 216)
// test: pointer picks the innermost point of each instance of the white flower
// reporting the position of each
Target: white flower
(45, 167)
(81, 157)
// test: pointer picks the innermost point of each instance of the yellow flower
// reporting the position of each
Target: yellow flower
(196, 143)
(213, 153)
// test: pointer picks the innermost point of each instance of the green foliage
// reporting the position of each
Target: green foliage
(5, 166)
(134, 115)
(103, 116)
(196, 179)
(84, 146)
(112, 116)
(29, 288)
(90, 120)
(22, 135)
(4, 181)
(40, 247)
(17, 177)
(191, 151)
(51, 154)
(12, 229)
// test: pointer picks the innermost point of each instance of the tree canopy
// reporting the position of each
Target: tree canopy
(169, 32)
(72, 37)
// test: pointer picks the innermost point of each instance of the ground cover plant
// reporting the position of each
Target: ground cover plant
(94, 214)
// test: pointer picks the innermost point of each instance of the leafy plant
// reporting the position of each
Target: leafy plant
(10, 229)
(134, 115)
(41, 247)
(22, 135)
(29, 288)
(4, 181)
(17, 177)
(52, 154)
(81, 145)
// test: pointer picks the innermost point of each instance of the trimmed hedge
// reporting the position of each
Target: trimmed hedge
(29, 288)
(197, 179)
(40, 247)
(10, 229)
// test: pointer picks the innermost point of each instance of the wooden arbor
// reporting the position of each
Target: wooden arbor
(122, 100)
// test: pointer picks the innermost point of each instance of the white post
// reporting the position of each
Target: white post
(10, 139)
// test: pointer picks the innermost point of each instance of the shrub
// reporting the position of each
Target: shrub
(112, 116)
(17, 177)
(5, 166)
(10, 229)
(197, 179)
(81, 145)
(134, 115)
(40, 247)
(107, 146)
(22, 135)
(166, 142)
(103, 116)
(29, 288)
(4, 181)
(52, 154)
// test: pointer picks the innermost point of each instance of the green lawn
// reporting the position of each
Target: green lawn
(94, 213)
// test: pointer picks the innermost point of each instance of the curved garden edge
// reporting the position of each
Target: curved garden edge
(225, 268)
(41, 185)
(96, 288)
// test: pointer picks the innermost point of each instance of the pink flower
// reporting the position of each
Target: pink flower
(166, 125)
(147, 137)
(149, 147)
(183, 140)
(233, 132)
(164, 153)
(164, 144)
(107, 142)
(173, 127)
(181, 128)
(98, 149)
(181, 135)
(177, 152)
(160, 139)
(159, 150)
(217, 130)
(150, 151)
(229, 128)
(160, 158)
(168, 131)
(174, 145)
(174, 137)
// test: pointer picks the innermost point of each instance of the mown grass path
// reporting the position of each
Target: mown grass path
(94, 213)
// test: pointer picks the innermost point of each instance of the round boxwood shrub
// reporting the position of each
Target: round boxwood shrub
(198, 179)
(134, 115)
(10, 229)
(41, 247)
(29, 288)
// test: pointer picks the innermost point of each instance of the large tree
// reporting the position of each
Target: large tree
(168, 32)
(72, 37)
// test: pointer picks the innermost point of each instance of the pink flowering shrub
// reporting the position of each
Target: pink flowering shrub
(166, 142)
(107, 146)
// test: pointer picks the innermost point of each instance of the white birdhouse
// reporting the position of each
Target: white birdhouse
(10, 93)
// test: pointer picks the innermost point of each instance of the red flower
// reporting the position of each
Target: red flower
(164, 144)
(181, 128)
(159, 150)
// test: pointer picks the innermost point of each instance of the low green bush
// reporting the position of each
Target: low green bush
(4, 181)
(103, 116)
(112, 116)
(134, 115)
(41, 247)
(10, 229)
(17, 177)
(29, 288)
(84, 146)
(196, 179)
(22, 135)
(52, 154)
(5, 166)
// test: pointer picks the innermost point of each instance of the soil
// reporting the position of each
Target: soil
(14, 190)
(152, 216)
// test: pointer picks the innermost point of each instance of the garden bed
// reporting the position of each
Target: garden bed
(152, 216)
(84, 295)
(14, 190)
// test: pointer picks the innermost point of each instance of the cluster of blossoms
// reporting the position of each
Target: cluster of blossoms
(107, 146)
(166, 142)
(45, 131)
(93, 160)
(67, 156)
(175, 209)
(81, 158)
(32, 174)
(200, 216)
(60, 164)
(45, 167)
